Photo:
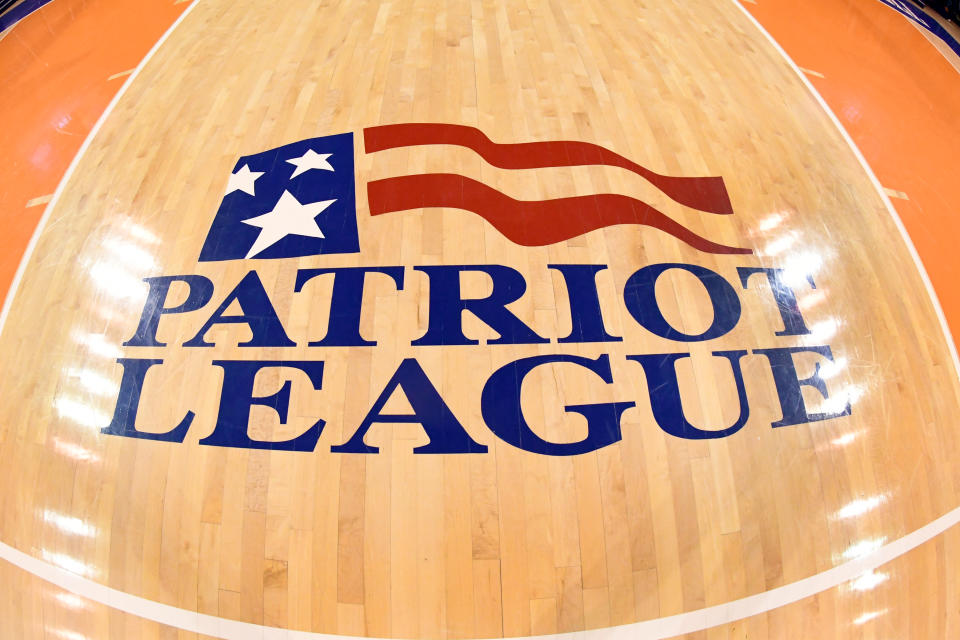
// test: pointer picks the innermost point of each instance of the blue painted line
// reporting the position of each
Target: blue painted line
(20, 12)
(919, 17)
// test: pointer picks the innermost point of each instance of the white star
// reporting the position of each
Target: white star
(243, 180)
(288, 217)
(310, 160)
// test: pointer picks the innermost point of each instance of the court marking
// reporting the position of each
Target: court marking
(687, 622)
(948, 336)
(32, 245)
(656, 629)
(119, 75)
(811, 72)
(36, 202)
(893, 193)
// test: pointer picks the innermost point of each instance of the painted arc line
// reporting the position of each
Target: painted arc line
(945, 328)
(656, 629)
(32, 245)
(659, 628)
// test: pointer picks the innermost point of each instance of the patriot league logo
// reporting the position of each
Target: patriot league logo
(299, 200)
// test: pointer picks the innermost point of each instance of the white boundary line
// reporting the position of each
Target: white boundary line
(876, 183)
(32, 245)
(656, 629)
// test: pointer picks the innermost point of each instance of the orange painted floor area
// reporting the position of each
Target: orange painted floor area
(899, 99)
(55, 70)
(895, 94)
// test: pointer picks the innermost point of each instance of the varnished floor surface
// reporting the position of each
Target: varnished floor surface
(621, 335)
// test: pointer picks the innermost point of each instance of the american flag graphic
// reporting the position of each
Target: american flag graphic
(295, 200)
(299, 199)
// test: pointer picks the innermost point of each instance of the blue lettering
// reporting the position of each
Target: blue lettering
(500, 406)
(445, 433)
(258, 314)
(586, 316)
(343, 329)
(199, 292)
(640, 297)
(661, 373)
(447, 306)
(128, 402)
(790, 386)
(237, 398)
(784, 296)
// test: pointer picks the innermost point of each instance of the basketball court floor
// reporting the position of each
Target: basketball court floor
(479, 319)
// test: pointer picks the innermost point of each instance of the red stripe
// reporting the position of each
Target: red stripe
(530, 223)
(705, 194)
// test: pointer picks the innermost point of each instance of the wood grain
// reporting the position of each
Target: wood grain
(506, 543)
